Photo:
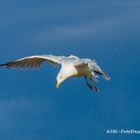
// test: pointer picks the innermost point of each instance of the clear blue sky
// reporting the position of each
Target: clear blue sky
(31, 108)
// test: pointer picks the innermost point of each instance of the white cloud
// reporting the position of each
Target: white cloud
(103, 28)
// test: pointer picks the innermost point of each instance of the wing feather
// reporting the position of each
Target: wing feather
(92, 65)
(80, 65)
(34, 61)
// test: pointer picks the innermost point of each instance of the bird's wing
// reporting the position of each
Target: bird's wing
(82, 64)
(93, 66)
(34, 61)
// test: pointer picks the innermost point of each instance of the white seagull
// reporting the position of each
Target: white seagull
(71, 66)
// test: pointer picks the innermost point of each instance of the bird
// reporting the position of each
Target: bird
(70, 66)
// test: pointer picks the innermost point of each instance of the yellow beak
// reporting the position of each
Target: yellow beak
(57, 84)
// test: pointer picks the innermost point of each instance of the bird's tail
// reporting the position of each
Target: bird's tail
(106, 76)
(103, 74)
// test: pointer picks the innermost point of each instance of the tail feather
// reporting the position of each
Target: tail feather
(106, 77)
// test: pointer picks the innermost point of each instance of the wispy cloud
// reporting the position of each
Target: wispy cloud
(96, 29)
(16, 112)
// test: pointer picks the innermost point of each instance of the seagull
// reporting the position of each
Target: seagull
(71, 66)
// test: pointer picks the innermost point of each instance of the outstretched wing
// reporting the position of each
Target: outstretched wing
(34, 61)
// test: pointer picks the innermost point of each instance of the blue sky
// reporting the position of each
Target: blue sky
(31, 107)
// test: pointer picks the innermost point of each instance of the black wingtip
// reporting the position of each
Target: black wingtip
(2, 65)
(5, 65)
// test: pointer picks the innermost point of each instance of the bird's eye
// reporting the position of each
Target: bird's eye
(60, 77)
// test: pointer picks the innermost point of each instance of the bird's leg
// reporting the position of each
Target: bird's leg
(90, 87)
(97, 90)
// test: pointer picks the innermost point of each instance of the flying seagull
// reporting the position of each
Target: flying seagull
(71, 66)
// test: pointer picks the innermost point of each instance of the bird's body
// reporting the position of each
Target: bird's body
(71, 66)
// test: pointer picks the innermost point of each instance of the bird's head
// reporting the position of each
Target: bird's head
(61, 77)
(66, 72)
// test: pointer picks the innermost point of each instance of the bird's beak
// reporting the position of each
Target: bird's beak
(57, 84)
